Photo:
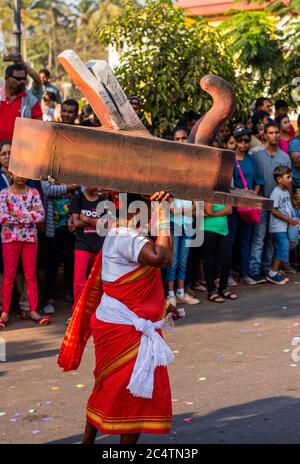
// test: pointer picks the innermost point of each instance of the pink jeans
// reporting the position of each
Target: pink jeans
(11, 255)
(84, 261)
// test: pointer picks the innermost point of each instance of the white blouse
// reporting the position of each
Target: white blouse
(120, 252)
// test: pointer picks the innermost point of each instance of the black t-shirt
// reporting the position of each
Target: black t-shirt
(87, 238)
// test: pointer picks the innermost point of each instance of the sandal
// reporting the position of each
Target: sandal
(43, 320)
(215, 298)
(229, 296)
(3, 323)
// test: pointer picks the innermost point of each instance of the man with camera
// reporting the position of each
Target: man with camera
(19, 101)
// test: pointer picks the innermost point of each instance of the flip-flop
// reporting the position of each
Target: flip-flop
(3, 323)
(43, 320)
(229, 296)
(215, 297)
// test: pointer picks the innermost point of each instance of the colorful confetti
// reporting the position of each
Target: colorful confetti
(54, 388)
(18, 414)
(35, 431)
(188, 419)
(202, 378)
(31, 411)
(80, 385)
(256, 324)
(13, 420)
(175, 400)
(47, 418)
(48, 402)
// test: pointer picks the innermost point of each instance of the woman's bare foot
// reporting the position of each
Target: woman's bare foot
(89, 435)
(129, 438)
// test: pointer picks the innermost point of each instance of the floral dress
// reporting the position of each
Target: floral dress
(19, 214)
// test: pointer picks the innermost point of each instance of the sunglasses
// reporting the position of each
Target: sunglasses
(243, 141)
(20, 78)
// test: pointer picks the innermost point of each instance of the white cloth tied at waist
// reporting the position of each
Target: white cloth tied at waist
(153, 350)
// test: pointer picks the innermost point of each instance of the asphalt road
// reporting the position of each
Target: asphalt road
(233, 379)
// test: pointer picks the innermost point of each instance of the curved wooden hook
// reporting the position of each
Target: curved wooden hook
(222, 109)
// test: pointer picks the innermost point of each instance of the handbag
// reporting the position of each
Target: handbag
(249, 215)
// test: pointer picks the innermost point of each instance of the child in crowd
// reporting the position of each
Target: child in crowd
(20, 210)
(217, 252)
(87, 242)
(282, 215)
(181, 223)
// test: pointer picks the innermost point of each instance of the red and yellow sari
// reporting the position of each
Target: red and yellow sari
(111, 407)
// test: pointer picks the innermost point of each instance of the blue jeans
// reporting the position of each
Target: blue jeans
(281, 246)
(234, 220)
(262, 247)
(177, 269)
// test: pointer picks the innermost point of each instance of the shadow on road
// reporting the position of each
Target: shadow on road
(270, 420)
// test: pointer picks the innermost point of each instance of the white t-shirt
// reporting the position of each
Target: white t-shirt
(120, 252)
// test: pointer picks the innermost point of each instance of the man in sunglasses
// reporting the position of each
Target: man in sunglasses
(18, 101)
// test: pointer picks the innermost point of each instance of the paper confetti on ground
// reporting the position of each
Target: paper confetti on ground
(32, 411)
(2, 413)
(284, 307)
(188, 419)
(13, 420)
(48, 402)
(293, 365)
(35, 432)
(239, 353)
(79, 385)
(18, 414)
(256, 324)
(54, 388)
(189, 403)
(175, 352)
(175, 400)
(47, 418)
(202, 378)
(296, 324)
(286, 350)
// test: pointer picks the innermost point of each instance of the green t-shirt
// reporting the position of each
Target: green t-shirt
(218, 224)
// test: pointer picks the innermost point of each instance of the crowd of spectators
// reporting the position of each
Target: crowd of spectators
(52, 226)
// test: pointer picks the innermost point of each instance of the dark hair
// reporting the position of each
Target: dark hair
(45, 71)
(298, 120)
(280, 118)
(51, 95)
(228, 137)
(281, 104)
(257, 118)
(281, 171)
(5, 142)
(260, 101)
(271, 124)
(180, 128)
(71, 102)
(14, 67)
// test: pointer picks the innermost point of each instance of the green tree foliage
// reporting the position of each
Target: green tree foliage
(267, 46)
(50, 26)
(164, 57)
